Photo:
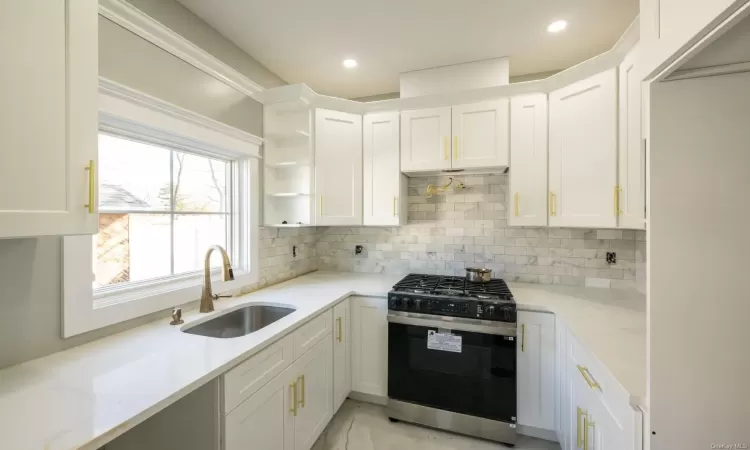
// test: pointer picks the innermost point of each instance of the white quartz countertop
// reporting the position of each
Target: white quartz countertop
(87, 396)
(610, 323)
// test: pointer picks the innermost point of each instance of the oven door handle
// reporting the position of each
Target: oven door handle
(419, 320)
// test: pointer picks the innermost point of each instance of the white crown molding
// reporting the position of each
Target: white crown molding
(112, 89)
(145, 26)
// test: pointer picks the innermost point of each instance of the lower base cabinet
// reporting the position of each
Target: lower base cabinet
(370, 346)
(342, 363)
(289, 412)
(535, 350)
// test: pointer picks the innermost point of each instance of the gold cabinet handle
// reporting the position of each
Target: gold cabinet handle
(585, 432)
(293, 409)
(338, 336)
(587, 376)
(523, 337)
(617, 200)
(579, 441)
(91, 169)
(591, 424)
(455, 147)
(446, 151)
(301, 380)
(394, 207)
(518, 199)
(552, 204)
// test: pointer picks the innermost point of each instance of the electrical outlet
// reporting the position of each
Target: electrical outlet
(611, 258)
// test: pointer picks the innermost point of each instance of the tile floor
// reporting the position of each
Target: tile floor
(362, 426)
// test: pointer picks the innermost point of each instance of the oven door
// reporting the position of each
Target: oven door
(462, 365)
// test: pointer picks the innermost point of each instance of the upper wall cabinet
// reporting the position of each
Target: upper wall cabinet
(48, 118)
(338, 168)
(528, 157)
(583, 153)
(668, 25)
(631, 195)
(426, 139)
(473, 136)
(480, 135)
(385, 201)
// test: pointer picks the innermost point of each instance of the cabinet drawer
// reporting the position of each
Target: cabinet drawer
(311, 333)
(245, 379)
(609, 392)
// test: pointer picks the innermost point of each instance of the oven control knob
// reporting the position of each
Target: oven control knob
(395, 302)
(489, 311)
(508, 315)
(418, 304)
(408, 302)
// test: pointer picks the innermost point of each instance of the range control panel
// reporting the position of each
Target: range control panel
(504, 311)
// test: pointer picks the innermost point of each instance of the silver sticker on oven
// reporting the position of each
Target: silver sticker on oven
(443, 341)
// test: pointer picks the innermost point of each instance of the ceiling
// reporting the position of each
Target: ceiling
(304, 41)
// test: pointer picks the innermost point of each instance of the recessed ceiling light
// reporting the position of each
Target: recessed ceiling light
(350, 63)
(557, 26)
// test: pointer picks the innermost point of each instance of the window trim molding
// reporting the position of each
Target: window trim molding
(123, 111)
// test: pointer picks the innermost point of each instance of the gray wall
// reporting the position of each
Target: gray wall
(130, 60)
(30, 269)
(193, 28)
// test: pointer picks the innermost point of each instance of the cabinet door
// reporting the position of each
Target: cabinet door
(480, 135)
(632, 153)
(667, 26)
(342, 365)
(564, 405)
(370, 345)
(384, 185)
(315, 394)
(536, 370)
(528, 160)
(48, 117)
(338, 168)
(583, 153)
(264, 420)
(426, 140)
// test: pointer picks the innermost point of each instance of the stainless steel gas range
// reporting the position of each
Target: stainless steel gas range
(452, 355)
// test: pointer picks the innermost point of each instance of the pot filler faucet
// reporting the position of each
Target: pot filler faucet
(208, 297)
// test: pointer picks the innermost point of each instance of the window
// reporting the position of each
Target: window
(159, 210)
(171, 183)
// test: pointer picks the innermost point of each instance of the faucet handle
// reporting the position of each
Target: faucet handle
(216, 296)
(176, 317)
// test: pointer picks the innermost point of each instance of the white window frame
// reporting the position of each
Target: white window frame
(125, 112)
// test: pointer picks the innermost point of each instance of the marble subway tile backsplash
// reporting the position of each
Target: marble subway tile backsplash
(468, 228)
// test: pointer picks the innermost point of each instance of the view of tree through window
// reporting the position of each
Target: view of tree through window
(159, 210)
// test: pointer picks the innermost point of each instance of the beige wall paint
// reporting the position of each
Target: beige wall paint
(193, 28)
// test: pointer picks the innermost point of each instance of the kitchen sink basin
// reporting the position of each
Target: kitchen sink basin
(240, 322)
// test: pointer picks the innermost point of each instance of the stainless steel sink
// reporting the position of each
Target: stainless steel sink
(240, 322)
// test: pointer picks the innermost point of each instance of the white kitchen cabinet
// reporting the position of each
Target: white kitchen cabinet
(370, 346)
(667, 26)
(338, 168)
(342, 343)
(289, 412)
(583, 153)
(426, 139)
(48, 118)
(528, 160)
(315, 394)
(385, 188)
(536, 370)
(631, 195)
(264, 420)
(480, 135)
